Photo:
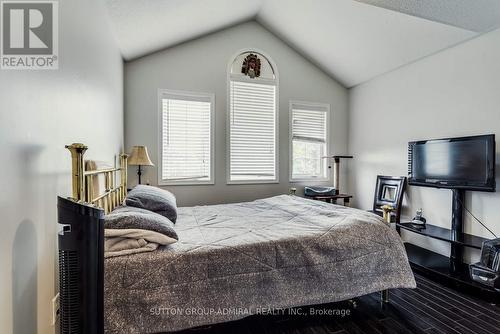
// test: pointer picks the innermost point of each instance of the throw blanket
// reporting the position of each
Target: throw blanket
(118, 242)
(130, 230)
(233, 260)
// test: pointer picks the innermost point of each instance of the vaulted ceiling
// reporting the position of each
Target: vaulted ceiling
(351, 40)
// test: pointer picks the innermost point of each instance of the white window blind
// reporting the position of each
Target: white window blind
(252, 131)
(186, 140)
(309, 140)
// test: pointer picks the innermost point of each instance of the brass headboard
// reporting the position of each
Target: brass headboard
(82, 184)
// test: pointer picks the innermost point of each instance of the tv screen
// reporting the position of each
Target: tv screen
(463, 163)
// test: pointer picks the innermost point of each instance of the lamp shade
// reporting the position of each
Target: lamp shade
(139, 157)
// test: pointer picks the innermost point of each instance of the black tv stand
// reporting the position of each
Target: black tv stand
(452, 270)
(455, 236)
(457, 228)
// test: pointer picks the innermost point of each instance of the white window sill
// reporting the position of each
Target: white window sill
(308, 180)
(186, 183)
(241, 182)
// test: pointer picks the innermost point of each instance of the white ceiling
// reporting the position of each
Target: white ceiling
(355, 42)
(350, 40)
(475, 15)
(145, 26)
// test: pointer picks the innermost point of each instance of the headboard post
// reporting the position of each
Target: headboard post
(82, 180)
(77, 151)
(123, 177)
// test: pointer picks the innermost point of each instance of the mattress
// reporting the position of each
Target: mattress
(234, 260)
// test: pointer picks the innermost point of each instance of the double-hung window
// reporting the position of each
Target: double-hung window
(253, 118)
(308, 141)
(186, 138)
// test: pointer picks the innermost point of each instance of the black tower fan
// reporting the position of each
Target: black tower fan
(81, 268)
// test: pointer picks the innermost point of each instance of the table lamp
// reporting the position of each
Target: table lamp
(139, 157)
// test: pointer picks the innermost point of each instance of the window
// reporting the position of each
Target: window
(308, 141)
(253, 118)
(186, 138)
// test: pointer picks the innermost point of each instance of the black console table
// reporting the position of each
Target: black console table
(447, 270)
(332, 198)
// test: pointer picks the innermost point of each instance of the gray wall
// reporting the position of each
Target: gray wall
(453, 93)
(40, 112)
(200, 66)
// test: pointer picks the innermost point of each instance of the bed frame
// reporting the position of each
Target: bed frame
(82, 181)
(114, 194)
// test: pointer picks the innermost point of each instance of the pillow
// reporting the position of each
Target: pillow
(98, 183)
(153, 199)
(126, 217)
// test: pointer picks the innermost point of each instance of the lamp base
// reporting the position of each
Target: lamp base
(139, 173)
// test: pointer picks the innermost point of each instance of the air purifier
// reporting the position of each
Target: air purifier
(81, 267)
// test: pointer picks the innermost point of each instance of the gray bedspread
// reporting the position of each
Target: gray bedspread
(233, 260)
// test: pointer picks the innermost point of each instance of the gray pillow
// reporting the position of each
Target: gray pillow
(153, 199)
(127, 217)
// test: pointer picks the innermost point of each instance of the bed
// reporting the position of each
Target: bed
(234, 260)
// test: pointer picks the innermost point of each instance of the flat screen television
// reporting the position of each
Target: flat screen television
(466, 163)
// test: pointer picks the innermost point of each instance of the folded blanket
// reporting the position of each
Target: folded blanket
(130, 230)
(129, 217)
(118, 242)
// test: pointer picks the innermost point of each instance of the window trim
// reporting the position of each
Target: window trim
(231, 77)
(327, 106)
(161, 95)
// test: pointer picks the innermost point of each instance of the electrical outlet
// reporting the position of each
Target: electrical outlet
(55, 309)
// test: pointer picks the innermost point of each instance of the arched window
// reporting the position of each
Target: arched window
(253, 119)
